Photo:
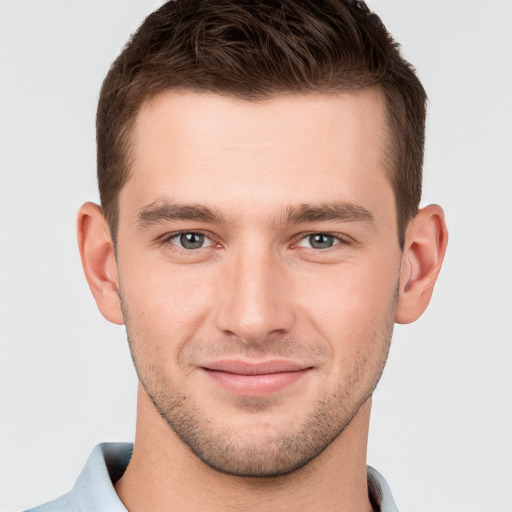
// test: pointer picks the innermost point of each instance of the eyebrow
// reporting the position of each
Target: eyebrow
(165, 211)
(341, 211)
(158, 212)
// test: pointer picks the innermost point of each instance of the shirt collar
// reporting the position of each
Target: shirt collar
(94, 488)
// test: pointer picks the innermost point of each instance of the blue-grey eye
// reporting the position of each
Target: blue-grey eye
(190, 240)
(319, 241)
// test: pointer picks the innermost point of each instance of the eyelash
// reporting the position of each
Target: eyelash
(167, 240)
(340, 240)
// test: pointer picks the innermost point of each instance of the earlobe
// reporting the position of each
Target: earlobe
(98, 260)
(425, 245)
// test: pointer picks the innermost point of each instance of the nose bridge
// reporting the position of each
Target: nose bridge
(254, 303)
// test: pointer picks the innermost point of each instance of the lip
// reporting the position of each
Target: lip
(252, 379)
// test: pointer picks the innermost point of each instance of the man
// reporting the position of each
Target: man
(259, 166)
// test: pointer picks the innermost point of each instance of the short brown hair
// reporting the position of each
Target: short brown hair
(257, 49)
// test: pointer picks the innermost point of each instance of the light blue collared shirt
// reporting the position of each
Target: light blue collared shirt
(94, 489)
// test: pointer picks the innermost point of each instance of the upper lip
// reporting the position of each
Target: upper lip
(254, 368)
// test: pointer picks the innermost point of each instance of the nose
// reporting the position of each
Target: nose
(254, 297)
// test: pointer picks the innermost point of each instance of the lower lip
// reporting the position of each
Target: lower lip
(255, 385)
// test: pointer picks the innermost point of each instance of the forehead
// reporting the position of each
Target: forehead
(291, 117)
(209, 147)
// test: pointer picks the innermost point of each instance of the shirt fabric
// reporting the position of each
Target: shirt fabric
(94, 489)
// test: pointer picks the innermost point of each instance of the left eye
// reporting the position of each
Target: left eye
(319, 241)
(190, 240)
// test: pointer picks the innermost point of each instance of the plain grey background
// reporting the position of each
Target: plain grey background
(442, 420)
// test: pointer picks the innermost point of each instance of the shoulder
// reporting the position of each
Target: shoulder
(94, 488)
(65, 503)
(379, 492)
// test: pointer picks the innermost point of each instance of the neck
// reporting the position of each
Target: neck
(164, 474)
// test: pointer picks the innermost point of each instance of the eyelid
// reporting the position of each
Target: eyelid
(168, 237)
(341, 239)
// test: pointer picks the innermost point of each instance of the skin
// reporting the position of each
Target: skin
(253, 183)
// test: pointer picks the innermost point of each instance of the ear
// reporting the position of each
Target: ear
(99, 262)
(425, 244)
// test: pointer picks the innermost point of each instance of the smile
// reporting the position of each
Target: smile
(253, 380)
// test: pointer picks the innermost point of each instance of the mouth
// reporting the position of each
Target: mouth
(251, 379)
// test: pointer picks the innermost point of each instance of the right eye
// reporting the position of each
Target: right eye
(190, 240)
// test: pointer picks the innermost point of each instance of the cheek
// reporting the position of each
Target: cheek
(166, 303)
(351, 302)
(355, 317)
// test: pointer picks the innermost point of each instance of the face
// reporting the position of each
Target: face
(258, 264)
